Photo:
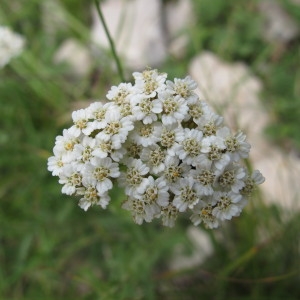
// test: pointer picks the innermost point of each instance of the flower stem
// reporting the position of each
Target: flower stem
(111, 42)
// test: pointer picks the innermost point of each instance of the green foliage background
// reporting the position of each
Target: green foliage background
(51, 249)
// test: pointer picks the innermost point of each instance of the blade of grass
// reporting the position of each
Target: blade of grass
(111, 42)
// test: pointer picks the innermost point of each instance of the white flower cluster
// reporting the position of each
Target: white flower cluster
(164, 146)
(11, 45)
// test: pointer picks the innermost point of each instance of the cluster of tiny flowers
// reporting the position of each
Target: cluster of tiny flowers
(11, 45)
(168, 150)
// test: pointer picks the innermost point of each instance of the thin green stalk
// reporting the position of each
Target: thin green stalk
(111, 42)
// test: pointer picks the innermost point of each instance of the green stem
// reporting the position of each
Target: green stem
(111, 42)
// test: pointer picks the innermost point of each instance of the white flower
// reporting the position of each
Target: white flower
(80, 118)
(210, 142)
(147, 109)
(55, 165)
(209, 123)
(133, 178)
(185, 194)
(58, 161)
(120, 94)
(11, 45)
(184, 88)
(132, 149)
(229, 204)
(174, 108)
(96, 113)
(236, 145)
(251, 182)
(98, 173)
(116, 128)
(154, 197)
(189, 147)
(202, 212)
(232, 178)
(71, 178)
(149, 82)
(169, 135)
(174, 170)
(169, 215)
(91, 197)
(197, 110)
(146, 135)
(204, 177)
(137, 209)
(83, 152)
(154, 157)
(214, 147)
(66, 142)
(104, 148)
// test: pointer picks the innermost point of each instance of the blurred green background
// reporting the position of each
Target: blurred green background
(51, 249)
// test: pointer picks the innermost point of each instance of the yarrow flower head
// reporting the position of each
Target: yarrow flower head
(11, 45)
(164, 146)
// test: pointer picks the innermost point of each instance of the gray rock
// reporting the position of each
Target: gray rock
(136, 30)
(279, 26)
(75, 55)
(144, 37)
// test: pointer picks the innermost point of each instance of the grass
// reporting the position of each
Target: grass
(50, 249)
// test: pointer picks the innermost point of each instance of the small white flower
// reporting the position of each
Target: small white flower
(66, 142)
(98, 173)
(169, 135)
(189, 147)
(133, 178)
(11, 45)
(174, 170)
(214, 147)
(80, 118)
(202, 212)
(154, 157)
(83, 152)
(251, 182)
(204, 177)
(55, 165)
(71, 178)
(137, 209)
(229, 204)
(116, 128)
(91, 197)
(121, 93)
(236, 145)
(154, 197)
(96, 113)
(146, 135)
(132, 149)
(212, 141)
(209, 123)
(57, 162)
(169, 215)
(185, 194)
(104, 148)
(174, 108)
(149, 82)
(197, 110)
(184, 88)
(147, 109)
(232, 177)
